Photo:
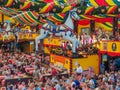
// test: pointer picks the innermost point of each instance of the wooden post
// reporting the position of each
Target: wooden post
(2, 17)
(71, 67)
(115, 25)
(2, 20)
(92, 25)
(75, 26)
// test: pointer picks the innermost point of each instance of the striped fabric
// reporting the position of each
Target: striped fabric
(103, 2)
(29, 18)
(45, 5)
(8, 11)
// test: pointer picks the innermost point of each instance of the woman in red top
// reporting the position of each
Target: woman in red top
(54, 72)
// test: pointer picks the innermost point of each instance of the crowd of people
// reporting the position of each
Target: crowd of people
(98, 35)
(17, 65)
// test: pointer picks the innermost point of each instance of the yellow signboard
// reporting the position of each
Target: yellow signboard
(60, 60)
(110, 46)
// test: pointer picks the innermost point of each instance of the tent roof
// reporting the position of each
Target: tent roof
(103, 2)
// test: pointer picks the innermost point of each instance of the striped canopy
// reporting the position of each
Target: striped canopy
(103, 3)
(25, 13)
(29, 18)
(8, 11)
(41, 6)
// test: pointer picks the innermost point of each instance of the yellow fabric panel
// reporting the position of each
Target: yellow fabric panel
(46, 50)
(66, 9)
(109, 46)
(104, 27)
(60, 61)
(91, 60)
(53, 41)
(26, 28)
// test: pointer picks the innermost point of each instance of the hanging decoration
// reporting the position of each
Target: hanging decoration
(97, 3)
(29, 18)
(9, 3)
(41, 6)
(62, 6)
(8, 11)
(29, 11)
(91, 10)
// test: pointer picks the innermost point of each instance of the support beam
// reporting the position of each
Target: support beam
(92, 26)
(115, 25)
(75, 26)
(2, 17)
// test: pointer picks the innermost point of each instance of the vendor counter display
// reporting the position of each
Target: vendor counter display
(71, 63)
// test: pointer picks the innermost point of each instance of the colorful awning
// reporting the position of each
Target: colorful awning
(92, 10)
(103, 2)
(29, 18)
(41, 6)
(8, 11)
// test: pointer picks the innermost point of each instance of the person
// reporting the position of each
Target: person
(54, 72)
(79, 69)
(64, 45)
(37, 87)
(117, 86)
(112, 66)
(85, 87)
(91, 84)
(24, 86)
(102, 68)
(69, 46)
(9, 87)
(99, 87)
(57, 85)
(77, 84)
(0, 29)
(95, 81)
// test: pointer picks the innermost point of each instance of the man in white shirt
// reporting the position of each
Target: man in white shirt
(57, 86)
(92, 84)
(79, 69)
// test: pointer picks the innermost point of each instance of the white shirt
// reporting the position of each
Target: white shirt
(91, 82)
(57, 87)
(79, 70)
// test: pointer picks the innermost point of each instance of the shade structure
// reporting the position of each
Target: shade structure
(103, 2)
(41, 6)
(29, 18)
(8, 11)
